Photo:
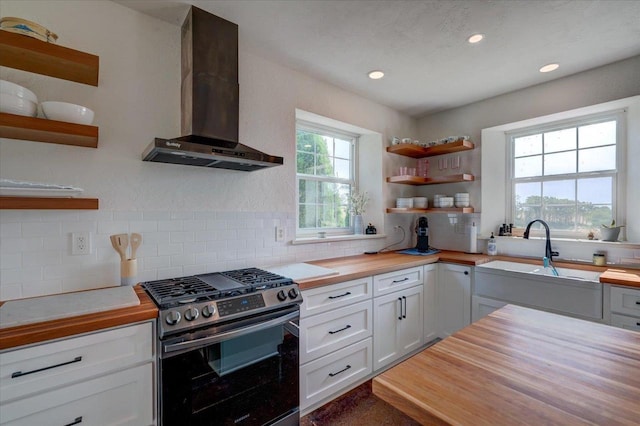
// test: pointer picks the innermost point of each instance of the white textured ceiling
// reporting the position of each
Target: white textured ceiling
(421, 45)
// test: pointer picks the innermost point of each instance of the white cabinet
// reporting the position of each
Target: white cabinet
(430, 303)
(483, 306)
(625, 307)
(81, 377)
(398, 323)
(453, 295)
(335, 340)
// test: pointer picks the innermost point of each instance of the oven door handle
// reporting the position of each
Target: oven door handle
(227, 335)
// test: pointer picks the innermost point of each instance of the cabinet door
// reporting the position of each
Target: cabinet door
(482, 306)
(411, 326)
(397, 325)
(386, 315)
(122, 398)
(454, 298)
(623, 321)
(429, 308)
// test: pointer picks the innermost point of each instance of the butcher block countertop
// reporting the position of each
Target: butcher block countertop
(521, 366)
(364, 265)
(26, 334)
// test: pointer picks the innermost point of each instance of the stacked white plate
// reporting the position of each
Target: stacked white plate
(15, 99)
(462, 199)
(442, 201)
(420, 202)
(404, 203)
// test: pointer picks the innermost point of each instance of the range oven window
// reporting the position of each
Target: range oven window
(249, 379)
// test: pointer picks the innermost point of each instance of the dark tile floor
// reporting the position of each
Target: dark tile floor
(357, 407)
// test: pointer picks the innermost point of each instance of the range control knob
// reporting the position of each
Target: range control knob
(293, 293)
(282, 296)
(173, 317)
(191, 314)
(208, 310)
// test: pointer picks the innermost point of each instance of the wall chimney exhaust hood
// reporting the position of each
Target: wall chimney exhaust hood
(210, 106)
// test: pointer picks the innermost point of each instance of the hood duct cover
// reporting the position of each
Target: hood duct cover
(209, 98)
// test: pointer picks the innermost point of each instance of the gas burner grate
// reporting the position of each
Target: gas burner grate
(251, 276)
(165, 292)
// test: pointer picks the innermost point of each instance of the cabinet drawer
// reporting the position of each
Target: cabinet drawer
(323, 299)
(623, 321)
(123, 398)
(398, 280)
(326, 376)
(625, 300)
(333, 330)
(52, 365)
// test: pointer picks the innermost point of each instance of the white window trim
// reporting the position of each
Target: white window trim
(619, 175)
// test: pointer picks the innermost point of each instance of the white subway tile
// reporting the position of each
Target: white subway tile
(10, 292)
(42, 288)
(204, 215)
(61, 243)
(80, 226)
(205, 258)
(142, 226)
(41, 229)
(199, 247)
(181, 215)
(156, 237)
(10, 230)
(169, 225)
(113, 227)
(194, 225)
(60, 216)
(155, 216)
(158, 262)
(195, 269)
(169, 249)
(216, 224)
(183, 259)
(41, 258)
(127, 216)
(166, 273)
(10, 260)
(11, 276)
(182, 237)
(206, 235)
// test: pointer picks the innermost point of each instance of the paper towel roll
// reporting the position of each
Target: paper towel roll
(473, 238)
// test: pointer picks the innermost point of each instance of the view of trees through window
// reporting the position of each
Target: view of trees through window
(325, 179)
(566, 176)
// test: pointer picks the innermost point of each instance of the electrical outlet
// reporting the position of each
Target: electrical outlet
(80, 243)
(279, 234)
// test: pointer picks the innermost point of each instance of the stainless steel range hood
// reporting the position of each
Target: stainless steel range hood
(210, 107)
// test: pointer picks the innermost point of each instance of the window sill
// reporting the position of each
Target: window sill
(620, 244)
(337, 238)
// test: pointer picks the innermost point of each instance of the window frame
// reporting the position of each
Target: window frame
(618, 175)
(352, 182)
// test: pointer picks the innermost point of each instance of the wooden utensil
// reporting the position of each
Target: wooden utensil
(135, 240)
(120, 242)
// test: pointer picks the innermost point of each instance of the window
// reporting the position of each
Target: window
(325, 175)
(566, 174)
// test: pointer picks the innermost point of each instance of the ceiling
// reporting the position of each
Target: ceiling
(421, 45)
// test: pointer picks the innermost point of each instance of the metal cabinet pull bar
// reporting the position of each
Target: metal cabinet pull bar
(20, 373)
(340, 295)
(341, 371)
(78, 420)
(342, 329)
(399, 281)
(637, 302)
(400, 300)
(404, 299)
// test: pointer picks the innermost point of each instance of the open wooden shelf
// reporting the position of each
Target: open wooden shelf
(418, 180)
(28, 54)
(14, 126)
(415, 151)
(48, 203)
(433, 210)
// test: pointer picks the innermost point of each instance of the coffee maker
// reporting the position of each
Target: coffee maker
(422, 230)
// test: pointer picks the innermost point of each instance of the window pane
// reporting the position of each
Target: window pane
(597, 134)
(343, 168)
(559, 192)
(527, 145)
(307, 191)
(561, 217)
(560, 140)
(595, 200)
(528, 202)
(307, 216)
(343, 149)
(305, 162)
(594, 159)
(528, 166)
(560, 163)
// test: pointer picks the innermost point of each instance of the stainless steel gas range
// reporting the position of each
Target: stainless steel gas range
(228, 348)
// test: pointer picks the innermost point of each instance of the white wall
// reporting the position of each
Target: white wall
(192, 219)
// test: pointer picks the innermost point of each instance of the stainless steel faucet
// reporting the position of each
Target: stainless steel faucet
(548, 252)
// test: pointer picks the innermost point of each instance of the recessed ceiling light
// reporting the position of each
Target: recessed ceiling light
(375, 75)
(549, 68)
(476, 38)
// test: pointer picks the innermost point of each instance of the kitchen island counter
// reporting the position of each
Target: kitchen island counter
(521, 366)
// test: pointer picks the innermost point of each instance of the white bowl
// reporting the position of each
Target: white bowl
(404, 203)
(462, 195)
(7, 87)
(14, 105)
(462, 203)
(420, 202)
(64, 111)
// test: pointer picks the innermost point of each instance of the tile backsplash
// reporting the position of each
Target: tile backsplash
(35, 247)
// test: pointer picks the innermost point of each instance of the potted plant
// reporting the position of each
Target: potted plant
(358, 203)
(610, 232)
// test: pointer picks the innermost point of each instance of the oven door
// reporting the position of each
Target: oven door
(244, 373)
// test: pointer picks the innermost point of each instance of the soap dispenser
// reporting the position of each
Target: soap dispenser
(492, 247)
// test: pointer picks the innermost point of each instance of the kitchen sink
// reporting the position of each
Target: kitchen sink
(573, 292)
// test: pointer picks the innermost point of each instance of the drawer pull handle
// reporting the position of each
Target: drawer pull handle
(341, 371)
(342, 329)
(637, 302)
(404, 299)
(399, 281)
(400, 300)
(340, 295)
(78, 420)
(20, 373)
